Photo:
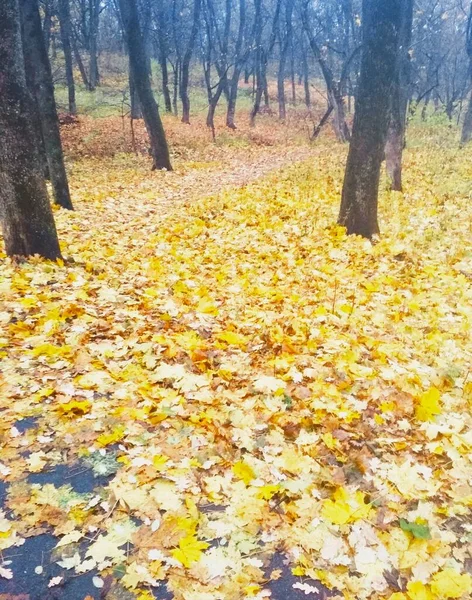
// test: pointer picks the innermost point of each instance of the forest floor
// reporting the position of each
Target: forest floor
(217, 395)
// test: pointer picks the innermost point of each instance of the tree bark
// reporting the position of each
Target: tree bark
(399, 101)
(142, 81)
(27, 220)
(185, 67)
(381, 24)
(64, 21)
(135, 104)
(37, 59)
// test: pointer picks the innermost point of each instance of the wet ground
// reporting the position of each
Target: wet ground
(33, 565)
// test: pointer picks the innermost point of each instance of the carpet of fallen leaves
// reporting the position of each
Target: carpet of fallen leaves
(237, 378)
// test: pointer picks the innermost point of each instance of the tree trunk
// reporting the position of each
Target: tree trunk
(185, 69)
(381, 24)
(162, 53)
(80, 63)
(135, 105)
(287, 40)
(175, 95)
(27, 220)
(399, 101)
(64, 21)
(142, 81)
(47, 24)
(36, 56)
(94, 77)
(306, 81)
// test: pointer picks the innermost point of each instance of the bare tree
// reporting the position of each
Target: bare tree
(142, 80)
(65, 24)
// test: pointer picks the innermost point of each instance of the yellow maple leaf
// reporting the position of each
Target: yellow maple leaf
(207, 306)
(105, 439)
(233, 339)
(346, 507)
(449, 583)
(75, 408)
(428, 405)
(416, 590)
(244, 472)
(189, 550)
(159, 461)
(267, 491)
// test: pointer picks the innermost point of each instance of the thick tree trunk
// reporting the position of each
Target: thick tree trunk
(135, 104)
(64, 21)
(27, 220)
(399, 101)
(142, 81)
(381, 24)
(185, 69)
(37, 59)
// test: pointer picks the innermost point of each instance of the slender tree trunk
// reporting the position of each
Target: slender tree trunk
(175, 95)
(80, 63)
(285, 47)
(185, 74)
(47, 24)
(142, 81)
(27, 220)
(306, 81)
(94, 76)
(162, 53)
(36, 56)
(381, 24)
(399, 101)
(64, 21)
(292, 74)
(281, 82)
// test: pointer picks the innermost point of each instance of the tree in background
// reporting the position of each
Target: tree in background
(65, 24)
(27, 220)
(467, 126)
(36, 57)
(381, 24)
(399, 100)
(142, 81)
